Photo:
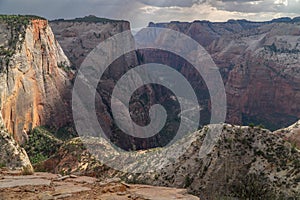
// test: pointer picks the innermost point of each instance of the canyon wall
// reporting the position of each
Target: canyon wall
(78, 38)
(259, 64)
(257, 60)
(32, 84)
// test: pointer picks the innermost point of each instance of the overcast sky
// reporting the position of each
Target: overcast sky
(140, 12)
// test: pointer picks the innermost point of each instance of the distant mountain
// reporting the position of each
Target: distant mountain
(89, 19)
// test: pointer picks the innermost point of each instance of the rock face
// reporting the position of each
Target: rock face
(263, 86)
(32, 83)
(79, 37)
(259, 63)
(12, 156)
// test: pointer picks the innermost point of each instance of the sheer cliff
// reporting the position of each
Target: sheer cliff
(32, 79)
(78, 38)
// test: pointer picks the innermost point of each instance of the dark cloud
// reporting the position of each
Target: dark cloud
(140, 12)
(170, 3)
(65, 8)
(245, 6)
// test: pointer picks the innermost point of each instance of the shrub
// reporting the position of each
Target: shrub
(41, 145)
(251, 125)
(253, 186)
(38, 158)
(294, 148)
(188, 182)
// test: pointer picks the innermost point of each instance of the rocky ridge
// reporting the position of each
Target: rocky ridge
(291, 134)
(244, 161)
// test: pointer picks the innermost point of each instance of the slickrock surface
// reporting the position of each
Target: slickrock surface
(45, 186)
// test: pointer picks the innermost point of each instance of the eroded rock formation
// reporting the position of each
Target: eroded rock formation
(32, 84)
(12, 156)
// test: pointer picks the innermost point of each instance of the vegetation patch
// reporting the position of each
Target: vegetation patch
(2, 165)
(252, 186)
(41, 145)
(64, 133)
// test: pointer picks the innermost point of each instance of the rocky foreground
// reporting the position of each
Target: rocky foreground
(244, 162)
(46, 186)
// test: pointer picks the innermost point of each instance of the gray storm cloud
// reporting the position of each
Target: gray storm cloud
(140, 12)
(169, 3)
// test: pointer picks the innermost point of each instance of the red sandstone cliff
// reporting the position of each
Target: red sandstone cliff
(33, 86)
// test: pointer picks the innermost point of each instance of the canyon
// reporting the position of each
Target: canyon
(258, 61)
(259, 64)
